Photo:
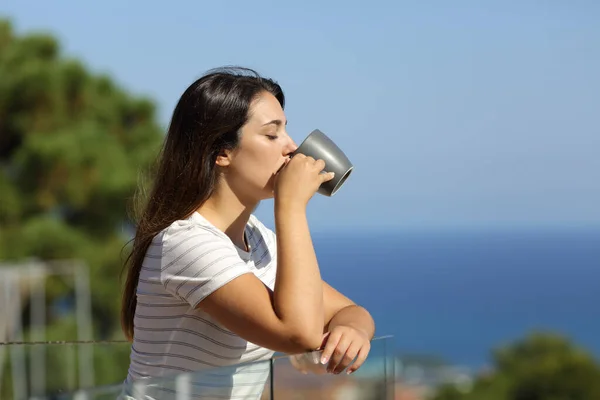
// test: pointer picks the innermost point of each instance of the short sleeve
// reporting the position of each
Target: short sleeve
(268, 234)
(198, 262)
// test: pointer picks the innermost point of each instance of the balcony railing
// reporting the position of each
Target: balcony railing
(97, 370)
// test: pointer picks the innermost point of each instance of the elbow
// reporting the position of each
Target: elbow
(306, 341)
(303, 335)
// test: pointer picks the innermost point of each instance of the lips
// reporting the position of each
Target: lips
(287, 160)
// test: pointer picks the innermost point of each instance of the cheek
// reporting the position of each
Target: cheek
(257, 161)
(256, 165)
(264, 157)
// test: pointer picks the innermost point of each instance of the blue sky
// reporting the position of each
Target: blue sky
(455, 114)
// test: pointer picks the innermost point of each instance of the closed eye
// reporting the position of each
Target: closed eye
(271, 137)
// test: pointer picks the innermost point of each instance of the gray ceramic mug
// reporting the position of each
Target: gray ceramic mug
(318, 146)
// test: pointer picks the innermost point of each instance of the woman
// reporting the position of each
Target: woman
(208, 284)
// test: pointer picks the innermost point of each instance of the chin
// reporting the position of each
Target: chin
(268, 191)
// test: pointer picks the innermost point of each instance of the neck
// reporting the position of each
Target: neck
(228, 213)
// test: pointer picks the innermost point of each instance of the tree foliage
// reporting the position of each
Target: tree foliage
(72, 145)
(537, 367)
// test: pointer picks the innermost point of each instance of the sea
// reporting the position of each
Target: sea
(459, 294)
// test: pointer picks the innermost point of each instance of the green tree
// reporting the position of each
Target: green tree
(541, 366)
(72, 144)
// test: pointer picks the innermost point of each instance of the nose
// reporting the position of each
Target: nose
(290, 147)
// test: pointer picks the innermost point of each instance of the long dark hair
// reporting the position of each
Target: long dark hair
(206, 120)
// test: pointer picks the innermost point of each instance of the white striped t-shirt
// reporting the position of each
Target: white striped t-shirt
(184, 264)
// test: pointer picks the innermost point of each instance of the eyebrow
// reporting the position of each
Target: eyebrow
(277, 122)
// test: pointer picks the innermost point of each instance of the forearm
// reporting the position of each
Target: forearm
(356, 317)
(298, 293)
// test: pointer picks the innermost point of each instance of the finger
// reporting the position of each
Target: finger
(360, 359)
(320, 164)
(296, 160)
(327, 176)
(347, 358)
(332, 342)
(339, 353)
(324, 340)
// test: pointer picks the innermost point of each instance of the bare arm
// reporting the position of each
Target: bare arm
(298, 289)
(340, 310)
(348, 331)
(291, 318)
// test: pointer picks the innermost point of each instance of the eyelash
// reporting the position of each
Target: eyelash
(271, 137)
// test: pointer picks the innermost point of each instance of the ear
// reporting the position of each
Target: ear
(224, 158)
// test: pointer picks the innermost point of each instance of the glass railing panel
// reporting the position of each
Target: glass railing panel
(243, 381)
(39, 370)
(96, 371)
(302, 377)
